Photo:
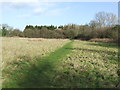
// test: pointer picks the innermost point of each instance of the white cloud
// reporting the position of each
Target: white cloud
(39, 10)
(59, 0)
(35, 6)
(19, 1)
(23, 16)
(57, 12)
(42, 7)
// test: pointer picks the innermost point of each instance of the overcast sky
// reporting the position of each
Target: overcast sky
(21, 13)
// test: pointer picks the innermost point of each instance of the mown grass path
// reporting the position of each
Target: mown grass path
(78, 64)
(42, 73)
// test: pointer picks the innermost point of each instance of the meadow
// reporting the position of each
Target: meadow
(58, 63)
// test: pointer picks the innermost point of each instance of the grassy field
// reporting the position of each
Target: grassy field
(53, 63)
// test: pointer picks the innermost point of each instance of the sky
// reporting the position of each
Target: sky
(21, 13)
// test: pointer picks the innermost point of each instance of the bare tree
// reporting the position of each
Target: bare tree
(93, 24)
(104, 19)
(100, 18)
(6, 26)
(111, 19)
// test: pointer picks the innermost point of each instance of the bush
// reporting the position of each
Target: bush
(70, 31)
(115, 32)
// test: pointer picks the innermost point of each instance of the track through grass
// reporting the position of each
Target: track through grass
(78, 64)
(41, 73)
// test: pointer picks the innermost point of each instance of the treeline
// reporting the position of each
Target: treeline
(8, 31)
(103, 26)
(71, 31)
(42, 32)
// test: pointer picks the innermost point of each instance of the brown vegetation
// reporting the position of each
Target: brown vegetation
(104, 40)
(34, 40)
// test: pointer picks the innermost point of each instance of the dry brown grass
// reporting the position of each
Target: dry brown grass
(15, 48)
(104, 40)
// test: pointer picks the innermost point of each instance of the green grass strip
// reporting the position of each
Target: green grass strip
(42, 73)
